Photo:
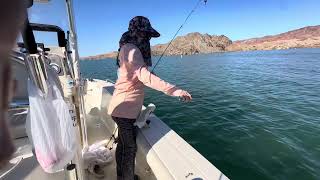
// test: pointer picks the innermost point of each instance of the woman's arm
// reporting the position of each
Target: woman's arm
(154, 82)
(135, 59)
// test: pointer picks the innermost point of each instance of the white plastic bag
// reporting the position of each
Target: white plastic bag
(96, 155)
(51, 126)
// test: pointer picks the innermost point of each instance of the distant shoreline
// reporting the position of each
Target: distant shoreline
(111, 58)
(196, 43)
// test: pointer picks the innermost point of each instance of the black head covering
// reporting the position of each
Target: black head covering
(138, 25)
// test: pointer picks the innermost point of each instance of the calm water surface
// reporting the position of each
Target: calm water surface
(255, 115)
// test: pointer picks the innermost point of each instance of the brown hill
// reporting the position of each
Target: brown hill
(307, 37)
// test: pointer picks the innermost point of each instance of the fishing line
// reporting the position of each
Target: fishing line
(185, 21)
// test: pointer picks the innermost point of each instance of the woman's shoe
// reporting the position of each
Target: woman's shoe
(136, 177)
(96, 170)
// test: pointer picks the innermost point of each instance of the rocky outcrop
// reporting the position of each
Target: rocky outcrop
(307, 37)
(194, 43)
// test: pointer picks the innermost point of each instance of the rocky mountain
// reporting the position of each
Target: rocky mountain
(307, 37)
(195, 43)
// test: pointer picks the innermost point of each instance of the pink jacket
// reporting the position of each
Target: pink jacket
(128, 96)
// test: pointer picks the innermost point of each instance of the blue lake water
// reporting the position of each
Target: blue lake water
(255, 115)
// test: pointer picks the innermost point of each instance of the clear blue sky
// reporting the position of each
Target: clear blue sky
(100, 23)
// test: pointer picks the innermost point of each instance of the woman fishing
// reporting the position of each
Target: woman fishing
(133, 60)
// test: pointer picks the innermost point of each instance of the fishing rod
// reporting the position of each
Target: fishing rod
(185, 21)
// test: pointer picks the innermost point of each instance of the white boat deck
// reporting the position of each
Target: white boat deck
(100, 127)
(97, 131)
(24, 165)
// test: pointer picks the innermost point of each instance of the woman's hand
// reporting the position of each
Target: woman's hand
(184, 95)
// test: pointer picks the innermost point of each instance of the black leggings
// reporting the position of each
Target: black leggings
(126, 148)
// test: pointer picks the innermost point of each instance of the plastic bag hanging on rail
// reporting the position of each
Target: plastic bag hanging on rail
(51, 127)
